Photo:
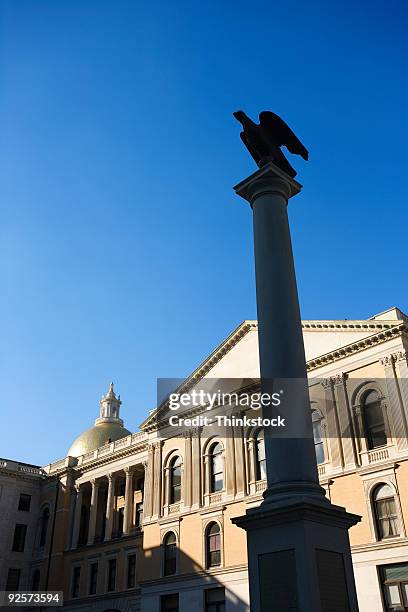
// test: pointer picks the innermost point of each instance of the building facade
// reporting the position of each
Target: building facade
(142, 521)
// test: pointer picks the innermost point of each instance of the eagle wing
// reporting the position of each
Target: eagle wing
(281, 133)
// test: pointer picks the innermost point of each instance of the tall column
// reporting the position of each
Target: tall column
(157, 479)
(127, 517)
(187, 480)
(78, 512)
(197, 467)
(397, 413)
(148, 486)
(110, 506)
(296, 539)
(93, 511)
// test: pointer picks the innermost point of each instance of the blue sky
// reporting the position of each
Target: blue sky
(125, 254)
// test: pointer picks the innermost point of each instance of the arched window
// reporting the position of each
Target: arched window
(45, 517)
(213, 545)
(317, 435)
(35, 580)
(386, 516)
(175, 480)
(170, 554)
(373, 419)
(260, 456)
(216, 468)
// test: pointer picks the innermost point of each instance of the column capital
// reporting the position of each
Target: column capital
(388, 360)
(94, 482)
(111, 476)
(268, 179)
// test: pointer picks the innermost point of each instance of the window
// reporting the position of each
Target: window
(170, 554)
(45, 517)
(169, 603)
(13, 579)
(394, 582)
(216, 468)
(373, 419)
(111, 575)
(76, 577)
(35, 580)
(139, 514)
(215, 600)
(175, 480)
(121, 516)
(213, 545)
(317, 435)
(131, 571)
(20, 532)
(260, 456)
(24, 502)
(93, 578)
(385, 512)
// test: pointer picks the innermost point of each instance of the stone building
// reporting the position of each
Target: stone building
(142, 521)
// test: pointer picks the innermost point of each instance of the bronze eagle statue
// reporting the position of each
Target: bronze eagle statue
(264, 140)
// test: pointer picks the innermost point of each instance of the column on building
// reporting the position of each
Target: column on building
(148, 486)
(110, 506)
(93, 510)
(240, 471)
(157, 479)
(347, 432)
(397, 417)
(187, 480)
(197, 468)
(229, 463)
(128, 513)
(334, 437)
(78, 512)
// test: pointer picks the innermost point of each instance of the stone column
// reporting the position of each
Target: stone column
(93, 511)
(148, 488)
(157, 480)
(397, 413)
(127, 517)
(77, 519)
(296, 539)
(110, 506)
(187, 482)
(196, 468)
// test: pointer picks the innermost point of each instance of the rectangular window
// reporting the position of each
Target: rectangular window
(394, 583)
(111, 575)
(76, 577)
(24, 502)
(20, 532)
(13, 579)
(215, 600)
(93, 578)
(131, 571)
(169, 603)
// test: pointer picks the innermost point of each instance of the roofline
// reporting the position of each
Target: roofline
(376, 326)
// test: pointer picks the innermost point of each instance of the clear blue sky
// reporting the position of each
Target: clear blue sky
(125, 254)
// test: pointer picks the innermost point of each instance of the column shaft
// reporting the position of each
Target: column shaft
(110, 507)
(127, 517)
(77, 520)
(290, 461)
(93, 512)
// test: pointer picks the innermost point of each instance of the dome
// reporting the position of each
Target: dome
(95, 436)
(108, 427)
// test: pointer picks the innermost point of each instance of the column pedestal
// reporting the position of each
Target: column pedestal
(298, 548)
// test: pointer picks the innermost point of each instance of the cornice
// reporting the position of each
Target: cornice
(355, 347)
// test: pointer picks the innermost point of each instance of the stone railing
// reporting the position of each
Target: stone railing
(321, 470)
(215, 498)
(112, 447)
(376, 455)
(260, 486)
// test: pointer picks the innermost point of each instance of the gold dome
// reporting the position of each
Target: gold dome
(97, 436)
